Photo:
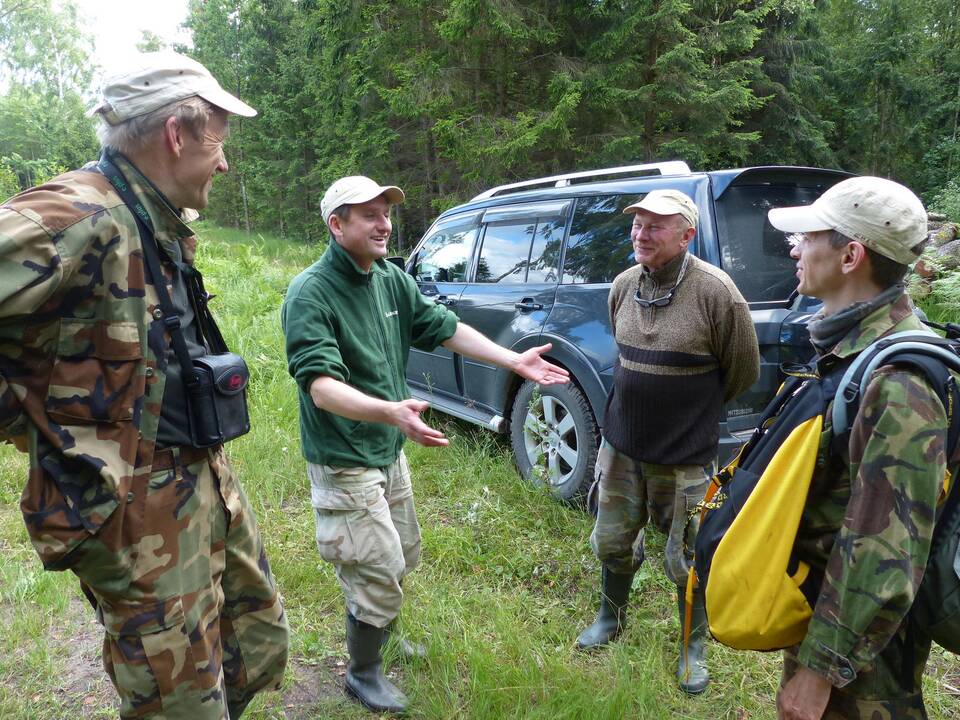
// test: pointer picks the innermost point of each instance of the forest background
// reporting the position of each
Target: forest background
(449, 97)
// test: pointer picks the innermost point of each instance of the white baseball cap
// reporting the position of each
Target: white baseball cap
(883, 215)
(668, 202)
(356, 189)
(159, 78)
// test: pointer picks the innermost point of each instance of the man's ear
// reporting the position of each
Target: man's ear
(173, 136)
(334, 224)
(854, 257)
(688, 235)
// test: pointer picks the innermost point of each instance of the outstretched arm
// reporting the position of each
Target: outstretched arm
(345, 400)
(529, 364)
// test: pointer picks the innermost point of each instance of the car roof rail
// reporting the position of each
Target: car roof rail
(669, 167)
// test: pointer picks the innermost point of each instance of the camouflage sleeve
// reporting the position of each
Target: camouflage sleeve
(897, 465)
(31, 268)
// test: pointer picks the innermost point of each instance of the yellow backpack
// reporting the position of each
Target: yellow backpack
(758, 594)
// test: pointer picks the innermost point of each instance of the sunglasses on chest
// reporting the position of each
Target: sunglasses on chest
(663, 300)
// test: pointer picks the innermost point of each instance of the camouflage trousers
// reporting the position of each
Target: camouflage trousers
(194, 624)
(887, 689)
(367, 528)
(632, 493)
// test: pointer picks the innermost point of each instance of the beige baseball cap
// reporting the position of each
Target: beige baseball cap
(883, 215)
(159, 78)
(667, 202)
(356, 189)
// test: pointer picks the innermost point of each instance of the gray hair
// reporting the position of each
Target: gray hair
(133, 134)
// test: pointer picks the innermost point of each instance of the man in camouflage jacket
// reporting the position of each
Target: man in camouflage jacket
(159, 533)
(869, 517)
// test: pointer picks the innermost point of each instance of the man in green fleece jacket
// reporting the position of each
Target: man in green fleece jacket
(349, 320)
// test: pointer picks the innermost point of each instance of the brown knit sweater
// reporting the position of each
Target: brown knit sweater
(677, 364)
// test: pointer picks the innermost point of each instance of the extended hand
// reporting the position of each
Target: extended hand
(804, 697)
(406, 416)
(531, 366)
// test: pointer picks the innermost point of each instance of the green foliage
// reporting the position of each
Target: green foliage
(8, 180)
(45, 72)
(947, 201)
(447, 97)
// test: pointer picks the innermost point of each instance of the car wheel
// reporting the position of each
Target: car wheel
(554, 437)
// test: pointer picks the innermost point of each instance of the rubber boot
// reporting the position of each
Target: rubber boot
(692, 671)
(614, 594)
(365, 679)
(408, 650)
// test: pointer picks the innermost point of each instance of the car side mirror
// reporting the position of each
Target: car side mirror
(398, 261)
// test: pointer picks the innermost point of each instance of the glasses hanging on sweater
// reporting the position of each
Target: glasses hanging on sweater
(663, 300)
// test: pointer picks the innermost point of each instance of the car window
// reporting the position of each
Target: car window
(599, 247)
(545, 255)
(445, 254)
(505, 252)
(752, 252)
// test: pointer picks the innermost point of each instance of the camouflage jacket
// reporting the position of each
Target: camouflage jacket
(82, 348)
(869, 516)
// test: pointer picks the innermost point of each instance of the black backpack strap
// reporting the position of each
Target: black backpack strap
(932, 356)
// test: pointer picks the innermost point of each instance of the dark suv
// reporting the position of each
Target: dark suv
(532, 262)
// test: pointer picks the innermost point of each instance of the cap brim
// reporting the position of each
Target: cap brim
(96, 108)
(393, 194)
(225, 101)
(801, 218)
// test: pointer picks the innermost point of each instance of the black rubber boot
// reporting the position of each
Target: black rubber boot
(365, 679)
(614, 594)
(692, 670)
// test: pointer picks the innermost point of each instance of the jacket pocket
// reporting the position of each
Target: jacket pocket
(96, 375)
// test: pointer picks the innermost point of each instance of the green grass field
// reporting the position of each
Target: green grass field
(506, 582)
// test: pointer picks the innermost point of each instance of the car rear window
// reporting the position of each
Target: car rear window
(599, 247)
(752, 252)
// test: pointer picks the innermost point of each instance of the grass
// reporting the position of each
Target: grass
(506, 582)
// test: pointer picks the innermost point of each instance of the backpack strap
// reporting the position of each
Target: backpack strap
(929, 353)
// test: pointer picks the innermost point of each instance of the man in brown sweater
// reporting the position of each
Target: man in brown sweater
(686, 346)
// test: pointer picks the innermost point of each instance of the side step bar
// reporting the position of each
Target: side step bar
(459, 410)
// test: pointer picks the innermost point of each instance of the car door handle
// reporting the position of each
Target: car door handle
(528, 304)
(445, 301)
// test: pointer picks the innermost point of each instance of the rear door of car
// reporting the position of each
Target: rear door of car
(513, 285)
(440, 266)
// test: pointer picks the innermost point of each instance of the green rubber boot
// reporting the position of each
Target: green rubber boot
(365, 679)
(615, 592)
(692, 671)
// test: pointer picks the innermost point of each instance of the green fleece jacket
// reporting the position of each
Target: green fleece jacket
(356, 327)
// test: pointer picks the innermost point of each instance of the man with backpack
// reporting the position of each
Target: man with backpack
(868, 521)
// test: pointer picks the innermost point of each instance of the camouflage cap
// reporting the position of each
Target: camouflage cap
(883, 215)
(668, 202)
(356, 189)
(157, 79)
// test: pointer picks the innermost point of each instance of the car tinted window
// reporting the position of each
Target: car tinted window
(599, 247)
(445, 255)
(752, 252)
(505, 252)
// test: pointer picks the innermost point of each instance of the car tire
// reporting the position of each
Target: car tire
(554, 438)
